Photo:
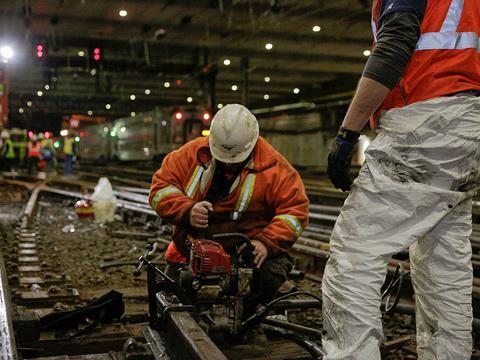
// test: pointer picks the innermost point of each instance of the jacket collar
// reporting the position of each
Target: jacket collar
(262, 155)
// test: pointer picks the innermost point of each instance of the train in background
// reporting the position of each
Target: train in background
(145, 136)
(302, 138)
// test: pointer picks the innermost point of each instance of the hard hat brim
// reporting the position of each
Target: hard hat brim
(228, 158)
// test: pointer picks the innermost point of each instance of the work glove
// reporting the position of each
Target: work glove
(340, 158)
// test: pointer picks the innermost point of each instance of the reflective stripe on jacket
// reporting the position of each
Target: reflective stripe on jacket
(267, 201)
(34, 149)
(8, 152)
(447, 57)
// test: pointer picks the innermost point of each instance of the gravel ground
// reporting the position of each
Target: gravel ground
(78, 247)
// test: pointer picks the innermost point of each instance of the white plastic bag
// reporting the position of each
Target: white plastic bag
(104, 202)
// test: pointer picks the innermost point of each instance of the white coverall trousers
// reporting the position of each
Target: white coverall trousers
(414, 190)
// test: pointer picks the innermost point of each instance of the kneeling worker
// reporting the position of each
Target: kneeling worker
(233, 181)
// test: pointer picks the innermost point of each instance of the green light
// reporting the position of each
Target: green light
(113, 133)
(77, 139)
(56, 144)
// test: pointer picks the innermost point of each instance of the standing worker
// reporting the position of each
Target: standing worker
(7, 152)
(415, 190)
(232, 181)
(69, 152)
(33, 154)
(47, 151)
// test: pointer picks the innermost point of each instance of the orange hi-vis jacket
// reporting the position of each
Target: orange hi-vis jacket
(267, 201)
(33, 149)
(447, 56)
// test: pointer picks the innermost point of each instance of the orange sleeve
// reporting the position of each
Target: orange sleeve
(290, 203)
(167, 196)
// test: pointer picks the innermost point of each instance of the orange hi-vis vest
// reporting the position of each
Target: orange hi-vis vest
(447, 56)
(33, 149)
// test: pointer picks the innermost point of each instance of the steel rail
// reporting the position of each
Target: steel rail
(183, 334)
(8, 348)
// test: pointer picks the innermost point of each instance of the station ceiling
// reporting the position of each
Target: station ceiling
(181, 41)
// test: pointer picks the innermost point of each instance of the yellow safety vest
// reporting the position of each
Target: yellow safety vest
(10, 153)
(68, 146)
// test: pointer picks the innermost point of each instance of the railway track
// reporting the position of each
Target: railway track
(310, 252)
(39, 290)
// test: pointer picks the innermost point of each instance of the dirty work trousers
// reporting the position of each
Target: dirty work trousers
(414, 191)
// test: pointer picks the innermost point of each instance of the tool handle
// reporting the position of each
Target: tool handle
(141, 260)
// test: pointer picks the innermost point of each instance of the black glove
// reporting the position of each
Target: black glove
(340, 158)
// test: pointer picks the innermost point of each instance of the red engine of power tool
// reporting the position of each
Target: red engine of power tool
(209, 258)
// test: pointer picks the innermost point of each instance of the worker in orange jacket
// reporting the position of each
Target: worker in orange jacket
(233, 181)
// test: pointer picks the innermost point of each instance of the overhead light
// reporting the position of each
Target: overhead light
(316, 28)
(267, 79)
(178, 115)
(47, 87)
(90, 112)
(29, 103)
(113, 133)
(123, 13)
(105, 129)
(77, 138)
(269, 46)
(6, 52)
(21, 110)
(226, 62)
(205, 132)
(219, 106)
(93, 72)
(296, 90)
(166, 84)
(81, 53)
(108, 106)
(164, 123)
(132, 97)
(132, 114)
(64, 132)
(147, 91)
(123, 129)
(206, 116)
(234, 87)
(39, 92)
(189, 99)
(266, 96)
(367, 53)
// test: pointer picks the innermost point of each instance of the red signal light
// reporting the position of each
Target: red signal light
(178, 82)
(40, 51)
(178, 115)
(97, 54)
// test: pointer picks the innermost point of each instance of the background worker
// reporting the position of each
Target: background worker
(33, 154)
(69, 152)
(47, 151)
(7, 154)
(415, 189)
(232, 181)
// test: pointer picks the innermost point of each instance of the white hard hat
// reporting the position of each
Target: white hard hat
(233, 134)
(5, 134)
